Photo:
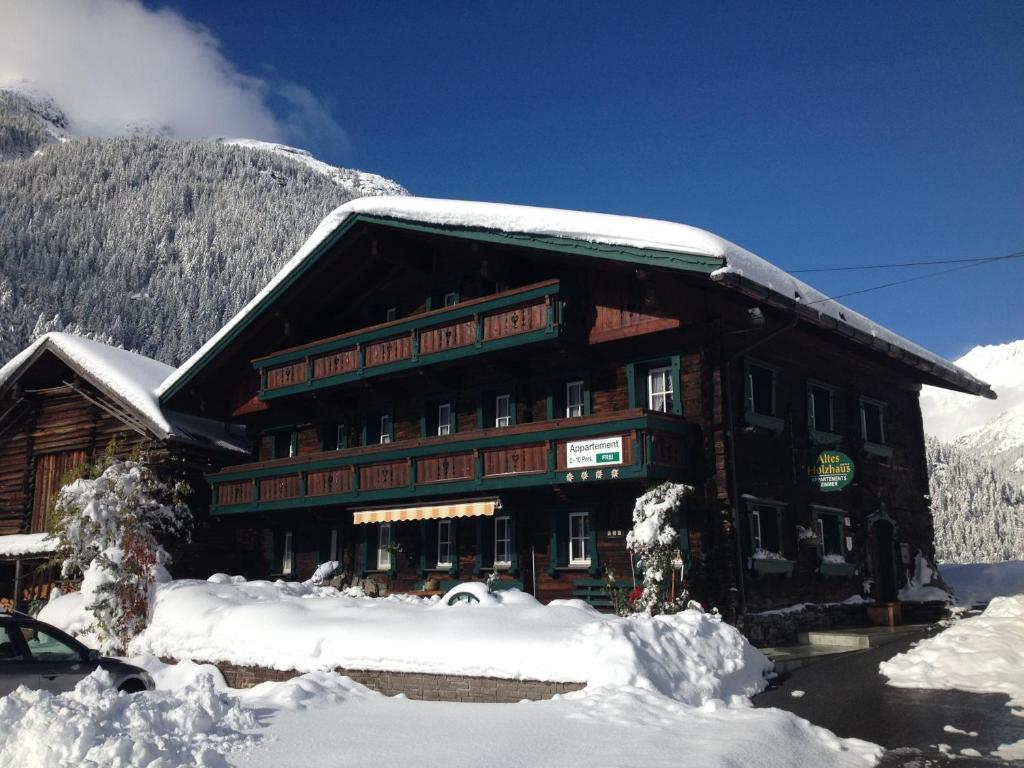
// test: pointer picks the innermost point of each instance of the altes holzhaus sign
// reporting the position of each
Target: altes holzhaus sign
(832, 471)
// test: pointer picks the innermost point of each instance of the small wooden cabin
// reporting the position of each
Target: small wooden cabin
(440, 391)
(63, 400)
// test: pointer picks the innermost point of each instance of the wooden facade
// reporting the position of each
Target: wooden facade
(436, 368)
(53, 422)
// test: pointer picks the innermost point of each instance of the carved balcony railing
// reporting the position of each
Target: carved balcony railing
(629, 445)
(513, 318)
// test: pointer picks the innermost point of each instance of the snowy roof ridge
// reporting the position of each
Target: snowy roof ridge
(129, 378)
(740, 269)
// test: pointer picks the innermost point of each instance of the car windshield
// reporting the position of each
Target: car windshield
(46, 647)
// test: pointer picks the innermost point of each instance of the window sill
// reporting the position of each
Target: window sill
(837, 569)
(825, 438)
(784, 567)
(876, 449)
(772, 424)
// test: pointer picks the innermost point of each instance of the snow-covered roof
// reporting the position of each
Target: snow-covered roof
(740, 269)
(21, 544)
(129, 378)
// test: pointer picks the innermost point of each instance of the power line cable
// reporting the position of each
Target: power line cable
(982, 259)
(971, 265)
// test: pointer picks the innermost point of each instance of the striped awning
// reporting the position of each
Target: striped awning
(479, 508)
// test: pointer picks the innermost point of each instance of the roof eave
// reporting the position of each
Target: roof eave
(959, 381)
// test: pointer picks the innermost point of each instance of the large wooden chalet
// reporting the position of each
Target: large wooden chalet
(439, 390)
(63, 401)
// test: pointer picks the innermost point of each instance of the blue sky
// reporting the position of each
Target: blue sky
(814, 134)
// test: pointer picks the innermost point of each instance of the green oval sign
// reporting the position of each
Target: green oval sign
(832, 471)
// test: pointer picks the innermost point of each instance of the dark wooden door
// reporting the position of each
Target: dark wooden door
(51, 471)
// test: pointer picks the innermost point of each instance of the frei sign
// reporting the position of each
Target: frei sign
(832, 471)
(598, 452)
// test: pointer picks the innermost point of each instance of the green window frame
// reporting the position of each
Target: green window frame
(557, 405)
(638, 382)
(765, 520)
(486, 408)
(330, 546)
(283, 556)
(872, 427)
(760, 395)
(284, 442)
(434, 423)
(374, 424)
(821, 413)
(333, 436)
(828, 524)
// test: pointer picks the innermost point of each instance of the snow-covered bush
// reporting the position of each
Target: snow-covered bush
(654, 542)
(106, 526)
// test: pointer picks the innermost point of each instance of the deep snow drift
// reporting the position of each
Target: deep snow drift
(324, 719)
(692, 656)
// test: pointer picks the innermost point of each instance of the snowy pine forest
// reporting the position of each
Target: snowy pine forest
(147, 243)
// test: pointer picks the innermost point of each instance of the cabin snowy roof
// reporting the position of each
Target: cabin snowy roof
(129, 379)
(22, 544)
(662, 241)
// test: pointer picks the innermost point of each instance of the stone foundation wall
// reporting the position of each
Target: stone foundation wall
(415, 685)
(772, 630)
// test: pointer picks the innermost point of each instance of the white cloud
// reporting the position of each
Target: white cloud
(111, 64)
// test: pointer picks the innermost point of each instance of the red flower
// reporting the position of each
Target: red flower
(634, 595)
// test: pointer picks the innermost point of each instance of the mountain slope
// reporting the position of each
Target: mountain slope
(976, 460)
(147, 243)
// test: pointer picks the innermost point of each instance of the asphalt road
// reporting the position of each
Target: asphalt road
(846, 694)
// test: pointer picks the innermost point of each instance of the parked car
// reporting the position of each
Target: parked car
(38, 655)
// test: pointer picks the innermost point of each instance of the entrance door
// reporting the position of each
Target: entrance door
(51, 469)
(885, 548)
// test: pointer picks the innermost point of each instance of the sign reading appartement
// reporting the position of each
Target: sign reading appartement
(597, 452)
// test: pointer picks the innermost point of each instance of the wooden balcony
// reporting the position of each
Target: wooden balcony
(653, 445)
(513, 318)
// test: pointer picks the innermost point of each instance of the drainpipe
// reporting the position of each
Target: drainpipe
(737, 571)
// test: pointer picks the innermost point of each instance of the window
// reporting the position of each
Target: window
(764, 528)
(384, 546)
(820, 408)
(760, 390)
(574, 399)
(287, 554)
(502, 411)
(8, 646)
(502, 542)
(830, 533)
(285, 444)
(444, 419)
(659, 389)
(444, 543)
(451, 299)
(872, 415)
(340, 437)
(579, 538)
(45, 647)
(391, 314)
(385, 428)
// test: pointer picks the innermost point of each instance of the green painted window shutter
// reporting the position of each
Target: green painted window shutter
(513, 525)
(426, 541)
(484, 544)
(277, 555)
(558, 550)
(364, 540)
(595, 557)
(677, 386)
(454, 570)
(634, 401)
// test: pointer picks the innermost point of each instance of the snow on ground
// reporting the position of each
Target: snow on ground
(981, 654)
(975, 583)
(94, 725)
(17, 544)
(658, 688)
(691, 656)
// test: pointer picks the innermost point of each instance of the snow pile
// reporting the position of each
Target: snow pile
(984, 654)
(919, 586)
(18, 544)
(690, 656)
(976, 583)
(94, 725)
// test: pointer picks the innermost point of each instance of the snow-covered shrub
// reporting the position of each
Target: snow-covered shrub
(106, 526)
(654, 542)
